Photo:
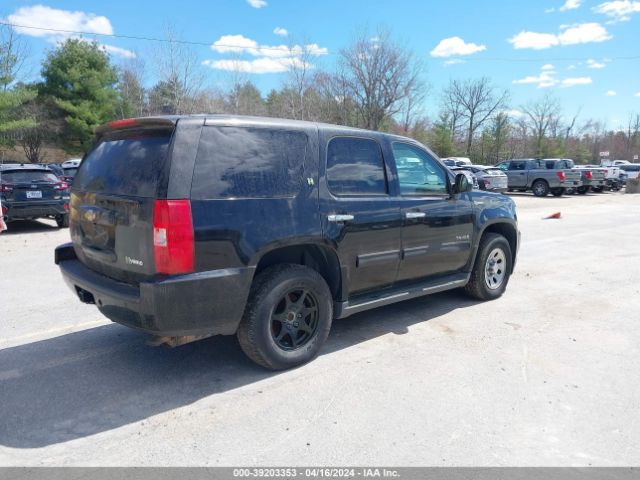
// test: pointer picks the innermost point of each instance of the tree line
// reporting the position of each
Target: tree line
(376, 83)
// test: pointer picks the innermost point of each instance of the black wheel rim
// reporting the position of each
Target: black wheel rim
(294, 321)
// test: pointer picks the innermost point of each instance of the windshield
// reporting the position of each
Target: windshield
(28, 176)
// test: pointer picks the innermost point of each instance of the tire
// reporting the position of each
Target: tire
(598, 189)
(478, 286)
(63, 221)
(269, 331)
(582, 190)
(540, 188)
(557, 192)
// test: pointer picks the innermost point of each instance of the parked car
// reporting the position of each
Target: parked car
(592, 179)
(70, 168)
(469, 173)
(192, 226)
(541, 176)
(632, 170)
(32, 191)
(456, 161)
(488, 178)
(611, 177)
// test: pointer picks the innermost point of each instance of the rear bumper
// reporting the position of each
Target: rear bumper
(204, 303)
(22, 210)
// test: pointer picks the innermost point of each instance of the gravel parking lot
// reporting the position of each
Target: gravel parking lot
(547, 375)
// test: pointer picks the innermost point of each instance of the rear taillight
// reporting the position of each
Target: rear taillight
(4, 210)
(561, 176)
(173, 236)
(66, 207)
(61, 186)
(6, 188)
(588, 175)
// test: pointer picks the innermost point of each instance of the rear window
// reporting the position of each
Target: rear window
(28, 176)
(70, 171)
(130, 163)
(630, 168)
(240, 162)
(493, 171)
(355, 167)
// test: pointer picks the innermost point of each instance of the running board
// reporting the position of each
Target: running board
(344, 309)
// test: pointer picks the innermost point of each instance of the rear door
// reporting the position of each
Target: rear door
(436, 237)
(517, 174)
(360, 216)
(112, 201)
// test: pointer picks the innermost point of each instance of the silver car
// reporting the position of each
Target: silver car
(491, 179)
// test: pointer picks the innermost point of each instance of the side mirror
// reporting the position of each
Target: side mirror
(462, 184)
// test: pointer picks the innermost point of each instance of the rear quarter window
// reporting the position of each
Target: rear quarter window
(241, 162)
(129, 163)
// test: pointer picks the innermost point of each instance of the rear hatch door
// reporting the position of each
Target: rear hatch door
(31, 186)
(112, 200)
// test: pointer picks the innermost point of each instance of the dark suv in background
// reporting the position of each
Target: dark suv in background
(187, 227)
(29, 192)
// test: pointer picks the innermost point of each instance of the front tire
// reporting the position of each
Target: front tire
(582, 190)
(557, 192)
(492, 268)
(288, 317)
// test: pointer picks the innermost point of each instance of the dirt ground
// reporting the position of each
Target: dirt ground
(547, 375)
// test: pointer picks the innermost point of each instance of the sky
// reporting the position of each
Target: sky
(585, 52)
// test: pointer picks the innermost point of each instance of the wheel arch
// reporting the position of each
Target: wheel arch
(320, 258)
(505, 227)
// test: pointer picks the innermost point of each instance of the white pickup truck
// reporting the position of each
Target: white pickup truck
(611, 176)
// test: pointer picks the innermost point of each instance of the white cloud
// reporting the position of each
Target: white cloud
(449, 47)
(570, 5)
(572, 82)
(534, 40)
(257, 3)
(45, 17)
(241, 44)
(584, 33)
(258, 66)
(618, 10)
(453, 61)
(281, 31)
(548, 67)
(514, 113)
(570, 35)
(271, 58)
(544, 80)
(611, 93)
(637, 94)
(591, 63)
(119, 52)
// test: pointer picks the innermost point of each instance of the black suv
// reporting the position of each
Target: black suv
(28, 192)
(192, 226)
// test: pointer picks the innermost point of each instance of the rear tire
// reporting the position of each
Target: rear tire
(582, 190)
(63, 221)
(598, 189)
(557, 192)
(287, 318)
(540, 188)
(492, 268)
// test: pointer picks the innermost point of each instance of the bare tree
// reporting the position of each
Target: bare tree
(179, 71)
(541, 114)
(477, 101)
(131, 80)
(13, 54)
(298, 77)
(378, 75)
(632, 134)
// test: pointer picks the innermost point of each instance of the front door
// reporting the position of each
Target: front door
(438, 226)
(359, 216)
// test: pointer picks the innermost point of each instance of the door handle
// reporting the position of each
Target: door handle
(339, 218)
(410, 215)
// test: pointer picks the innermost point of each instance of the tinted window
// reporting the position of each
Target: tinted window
(418, 172)
(355, 167)
(248, 163)
(517, 166)
(70, 171)
(125, 163)
(28, 176)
